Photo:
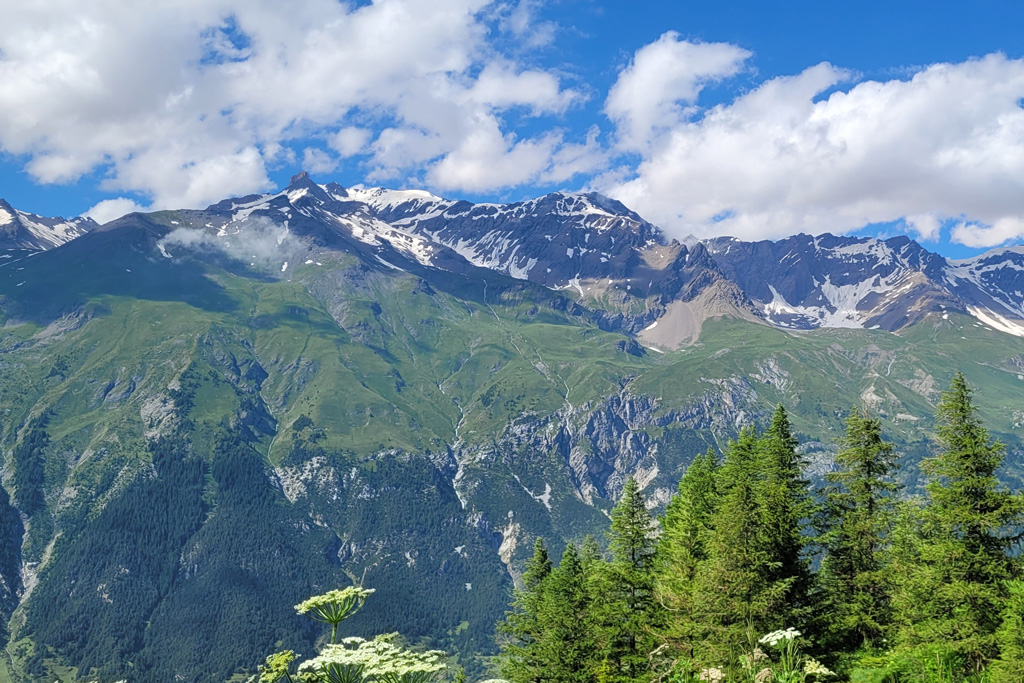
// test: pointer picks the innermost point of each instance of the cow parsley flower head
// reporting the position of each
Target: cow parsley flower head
(813, 667)
(379, 658)
(776, 638)
(335, 605)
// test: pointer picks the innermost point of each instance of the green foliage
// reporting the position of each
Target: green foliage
(277, 667)
(755, 576)
(568, 639)
(119, 568)
(1009, 668)
(682, 547)
(627, 610)
(858, 515)
(786, 507)
(731, 560)
(551, 634)
(29, 466)
(524, 625)
(951, 574)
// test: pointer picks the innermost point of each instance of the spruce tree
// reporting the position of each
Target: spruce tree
(568, 643)
(522, 653)
(682, 546)
(859, 513)
(786, 508)
(951, 586)
(627, 609)
(732, 593)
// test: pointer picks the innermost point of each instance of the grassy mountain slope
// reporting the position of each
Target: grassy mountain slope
(207, 436)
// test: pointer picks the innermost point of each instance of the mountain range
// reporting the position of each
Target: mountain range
(225, 410)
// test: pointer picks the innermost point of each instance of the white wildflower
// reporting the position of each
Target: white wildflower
(378, 657)
(775, 637)
(334, 606)
(816, 668)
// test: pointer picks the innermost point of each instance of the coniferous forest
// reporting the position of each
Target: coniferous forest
(752, 574)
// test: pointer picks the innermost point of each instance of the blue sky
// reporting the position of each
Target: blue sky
(746, 118)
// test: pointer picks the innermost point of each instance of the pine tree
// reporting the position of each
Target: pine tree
(682, 546)
(522, 653)
(858, 517)
(627, 611)
(951, 585)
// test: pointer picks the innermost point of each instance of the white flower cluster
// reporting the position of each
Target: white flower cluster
(334, 606)
(776, 637)
(377, 657)
(812, 667)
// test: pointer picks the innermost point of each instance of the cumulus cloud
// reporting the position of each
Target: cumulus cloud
(654, 92)
(185, 102)
(318, 161)
(112, 209)
(811, 153)
(350, 140)
(189, 101)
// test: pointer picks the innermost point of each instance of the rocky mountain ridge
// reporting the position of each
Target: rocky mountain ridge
(22, 231)
(611, 260)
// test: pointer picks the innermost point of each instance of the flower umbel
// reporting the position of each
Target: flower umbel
(379, 658)
(774, 638)
(813, 667)
(334, 606)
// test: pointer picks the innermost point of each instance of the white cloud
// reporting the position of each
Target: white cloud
(350, 141)
(260, 242)
(486, 158)
(185, 102)
(975, 234)
(189, 101)
(317, 161)
(500, 86)
(649, 96)
(783, 158)
(112, 209)
(927, 226)
(520, 20)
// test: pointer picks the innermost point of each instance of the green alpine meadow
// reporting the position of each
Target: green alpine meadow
(284, 439)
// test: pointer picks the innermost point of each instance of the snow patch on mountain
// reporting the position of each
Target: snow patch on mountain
(372, 231)
(997, 322)
(55, 234)
(383, 198)
(22, 230)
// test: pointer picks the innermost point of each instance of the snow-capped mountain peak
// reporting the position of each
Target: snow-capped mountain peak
(21, 230)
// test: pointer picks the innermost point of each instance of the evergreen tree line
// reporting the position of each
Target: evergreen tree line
(750, 570)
